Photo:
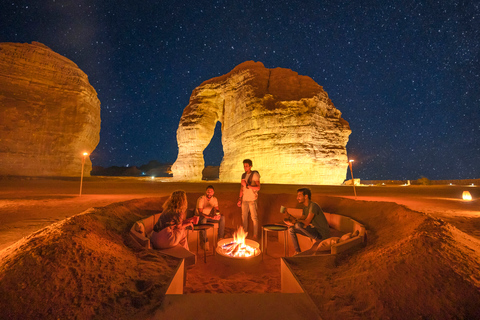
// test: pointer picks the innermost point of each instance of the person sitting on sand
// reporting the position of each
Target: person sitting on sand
(170, 229)
(207, 209)
(312, 223)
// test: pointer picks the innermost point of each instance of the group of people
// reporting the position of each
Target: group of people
(172, 225)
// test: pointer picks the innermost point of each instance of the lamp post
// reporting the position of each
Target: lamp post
(85, 154)
(350, 164)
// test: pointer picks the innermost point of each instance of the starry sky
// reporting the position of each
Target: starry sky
(404, 74)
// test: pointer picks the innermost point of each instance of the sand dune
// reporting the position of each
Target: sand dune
(83, 267)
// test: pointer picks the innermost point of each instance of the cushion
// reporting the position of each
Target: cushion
(326, 244)
(345, 237)
(139, 227)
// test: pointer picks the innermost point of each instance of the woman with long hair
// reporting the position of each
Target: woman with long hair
(169, 230)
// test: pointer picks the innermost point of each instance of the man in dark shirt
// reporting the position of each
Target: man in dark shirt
(312, 223)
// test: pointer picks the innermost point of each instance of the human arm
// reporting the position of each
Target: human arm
(185, 225)
(313, 209)
(308, 219)
(200, 213)
(240, 195)
(288, 219)
(215, 212)
(193, 220)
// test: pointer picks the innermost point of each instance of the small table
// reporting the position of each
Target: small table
(273, 228)
(204, 227)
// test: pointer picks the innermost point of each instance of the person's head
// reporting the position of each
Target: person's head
(177, 202)
(209, 192)
(303, 194)
(247, 165)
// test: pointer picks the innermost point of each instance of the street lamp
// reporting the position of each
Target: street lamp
(85, 154)
(350, 164)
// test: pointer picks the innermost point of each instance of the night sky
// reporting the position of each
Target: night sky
(404, 74)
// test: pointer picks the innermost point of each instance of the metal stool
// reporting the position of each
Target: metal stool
(273, 228)
(204, 227)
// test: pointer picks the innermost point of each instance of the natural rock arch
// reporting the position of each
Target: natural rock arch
(284, 122)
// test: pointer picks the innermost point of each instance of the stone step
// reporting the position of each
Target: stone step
(235, 306)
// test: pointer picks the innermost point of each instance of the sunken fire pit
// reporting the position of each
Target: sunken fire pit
(239, 250)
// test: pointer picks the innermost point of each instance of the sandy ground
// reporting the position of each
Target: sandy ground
(422, 259)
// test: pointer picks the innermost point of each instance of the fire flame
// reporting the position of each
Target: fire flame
(238, 248)
(240, 235)
(467, 196)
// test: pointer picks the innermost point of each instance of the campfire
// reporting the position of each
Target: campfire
(238, 246)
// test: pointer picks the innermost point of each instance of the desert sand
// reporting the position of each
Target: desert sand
(64, 256)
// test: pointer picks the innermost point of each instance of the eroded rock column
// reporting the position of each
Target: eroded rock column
(49, 113)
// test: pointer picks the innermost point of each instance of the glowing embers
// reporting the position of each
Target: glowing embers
(466, 196)
(239, 247)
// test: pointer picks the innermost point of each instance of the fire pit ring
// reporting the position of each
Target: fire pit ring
(239, 261)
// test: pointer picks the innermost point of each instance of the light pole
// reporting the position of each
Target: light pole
(85, 154)
(350, 164)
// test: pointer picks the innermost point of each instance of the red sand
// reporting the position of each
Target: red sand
(414, 266)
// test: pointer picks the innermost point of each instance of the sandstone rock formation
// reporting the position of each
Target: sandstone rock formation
(49, 113)
(284, 122)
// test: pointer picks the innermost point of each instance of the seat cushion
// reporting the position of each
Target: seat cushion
(140, 227)
(326, 244)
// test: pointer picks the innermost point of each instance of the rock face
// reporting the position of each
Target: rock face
(284, 122)
(49, 113)
(211, 173)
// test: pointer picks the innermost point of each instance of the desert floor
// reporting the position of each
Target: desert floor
(422, 258)
(29, 204)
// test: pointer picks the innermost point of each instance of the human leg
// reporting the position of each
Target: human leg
(169, 237)
(293, 236)
(203, 233)
(221, 227)
(254, 215)
(245, 210)
(307, 231)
